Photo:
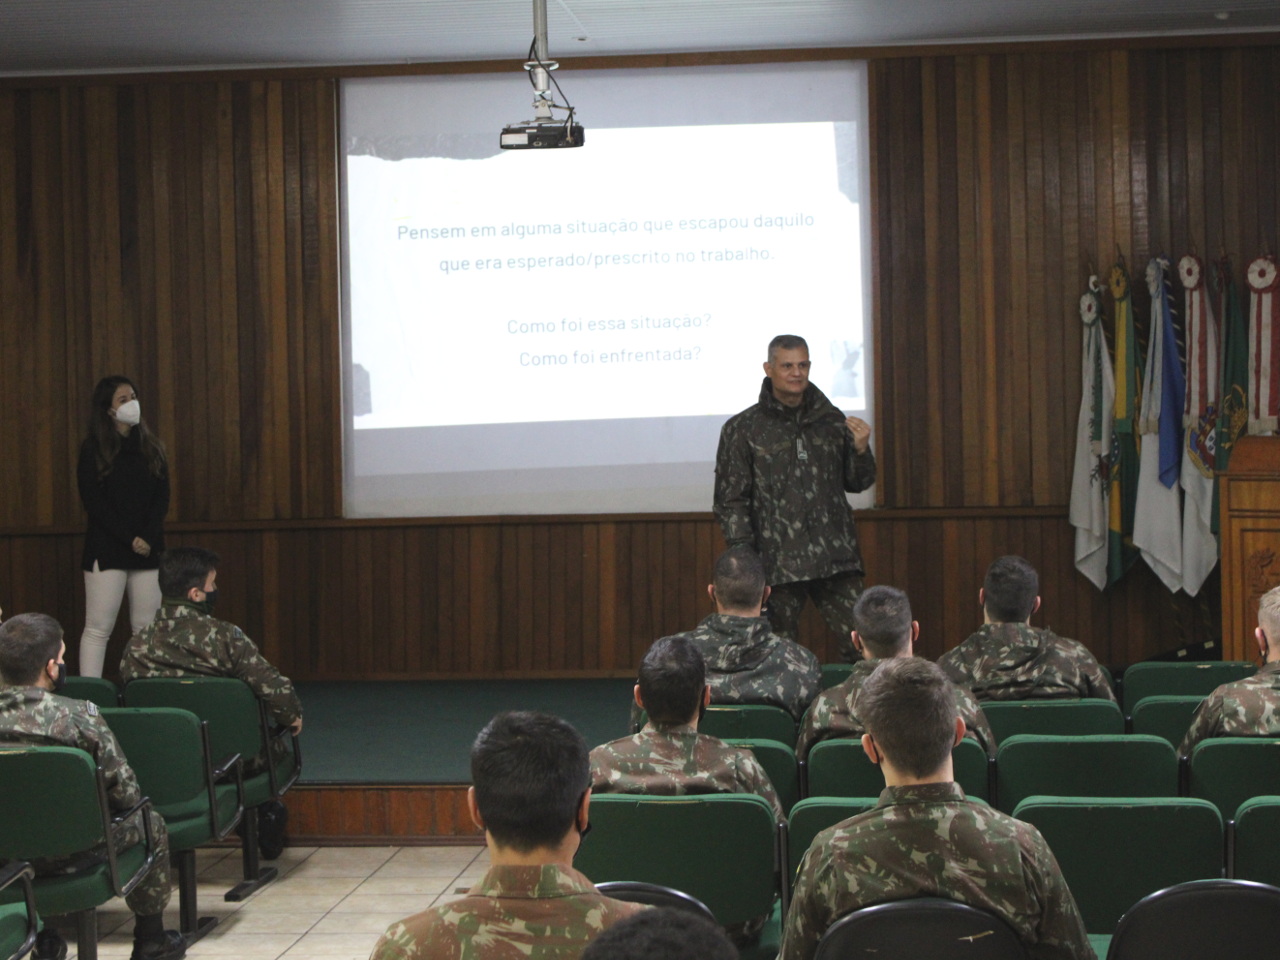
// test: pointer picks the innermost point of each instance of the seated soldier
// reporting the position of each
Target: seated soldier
(1248, 707)
(33, 671)
(746, 662)
(530, 793)
(186, 640)
(1008, 659)
(883, 630)
(924, 839)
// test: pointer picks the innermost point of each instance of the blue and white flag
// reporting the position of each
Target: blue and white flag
(1157, 521)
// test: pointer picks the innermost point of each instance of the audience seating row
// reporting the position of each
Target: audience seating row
(19, 921)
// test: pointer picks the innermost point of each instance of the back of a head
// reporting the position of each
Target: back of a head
(27, 642)
(1010, 590)
(672, 678)
(882, 617)
(1269, 616)
(530, 771)
(182, 568)
(909, 708)
(787, 341)
(664, 933)
(739, 578)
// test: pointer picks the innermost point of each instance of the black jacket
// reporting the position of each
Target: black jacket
(128, 502)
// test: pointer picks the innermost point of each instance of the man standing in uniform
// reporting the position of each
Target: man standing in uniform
(782, 471)
(530, 792)
(186, 640)
(1008, 659)
(32, 671)
(884, 630)
(1248, 707)
(924, 839)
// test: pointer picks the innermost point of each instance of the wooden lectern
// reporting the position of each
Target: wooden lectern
(1249, 520)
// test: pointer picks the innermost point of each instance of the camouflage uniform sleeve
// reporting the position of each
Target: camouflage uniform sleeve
(602, 769)
(733, 487)
(956, 665)
(806, 921)
(817, 720)
(1096, 685)
(810, 682)
(1206, 723)
(267, 683)
(753, 779)
(397, 943)
(1060, 934)
(976, 722)
(100, 743)
(859, 468)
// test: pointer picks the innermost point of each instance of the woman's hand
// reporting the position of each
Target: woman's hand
(141, 547)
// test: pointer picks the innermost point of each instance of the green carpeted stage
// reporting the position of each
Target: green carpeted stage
(420, 732)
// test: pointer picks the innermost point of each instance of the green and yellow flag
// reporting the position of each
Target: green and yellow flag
(1123, 473)
(1233, 416)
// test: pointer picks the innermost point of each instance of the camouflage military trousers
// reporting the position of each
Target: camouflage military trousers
(833, 596)
(151, 895)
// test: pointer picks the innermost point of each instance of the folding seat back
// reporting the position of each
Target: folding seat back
(1101, 766)
(749, 721)
(1257, 841)
(1165, 716)
(1230, 770)
(840, 768)
(1204, 919)
(94, 689)
(1065, 718)
(1155, 678)
(810, 817)
(779, 762)
(1115, 851)
(921, 927)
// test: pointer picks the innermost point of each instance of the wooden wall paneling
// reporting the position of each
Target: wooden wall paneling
(11, 287)
(948, 286)
(969, 315)
(540, 625)
(607, 552)
(927, 446)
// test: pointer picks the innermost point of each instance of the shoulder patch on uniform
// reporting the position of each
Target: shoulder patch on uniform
(90, 708)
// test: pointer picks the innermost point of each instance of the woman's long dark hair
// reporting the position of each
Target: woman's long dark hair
(106, 438)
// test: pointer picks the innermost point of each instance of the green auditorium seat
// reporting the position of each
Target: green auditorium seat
(753, 721)
(1165, 716)
(94, 689)
(840, 768)
(685, 843)
(779, 762)
(19, 922)
(1114, 851)
(1201, 920)
(54, 805)
(1067, 718)
(810, 817)
(1257, 840)
(1155, 678)
(924, 927)
(238, 725)
(169, 752)
(1230, 770)
(835, 673)
(1103, 766)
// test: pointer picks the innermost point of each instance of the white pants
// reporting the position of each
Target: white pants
(103, 593)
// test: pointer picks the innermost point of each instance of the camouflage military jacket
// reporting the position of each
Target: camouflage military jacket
(514, 913)
(32, 715)
(834, 715)
(675, 761)
(1244, 708)
(781, 478)
(1012, 661)
(183, 642)
(929, 841)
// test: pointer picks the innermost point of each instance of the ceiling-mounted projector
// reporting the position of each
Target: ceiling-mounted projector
(543, 130)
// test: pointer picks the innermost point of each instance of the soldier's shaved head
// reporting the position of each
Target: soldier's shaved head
(882, 618)
(909, 708)
(184, 568)
(1010, 590)
(27, 642)
(739, 578)
(1269, 616)
(673, 676)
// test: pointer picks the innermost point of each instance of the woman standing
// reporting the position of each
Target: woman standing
(123, 476)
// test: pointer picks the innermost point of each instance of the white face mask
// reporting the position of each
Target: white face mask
(129, 413)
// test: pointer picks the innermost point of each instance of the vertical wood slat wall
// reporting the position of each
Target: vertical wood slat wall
(186, 233)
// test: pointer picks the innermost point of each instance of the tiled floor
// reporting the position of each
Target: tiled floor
(329, 902)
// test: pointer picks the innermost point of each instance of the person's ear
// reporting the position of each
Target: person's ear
(764, 597)
(857, 643)
(583, 820)
(706, 695)
(1261, 636)
(1034, 608)
(711, 592)
(765, 366)
(635, 692)
(870, 749)
(474, 808)
(960, 731)
(915, 635)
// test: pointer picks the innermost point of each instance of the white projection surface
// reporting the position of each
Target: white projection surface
(565, 331)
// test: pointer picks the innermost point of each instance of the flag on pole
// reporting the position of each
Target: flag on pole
(1200, 422)
(1123, 473)
(1157, 518)
(1264, 345)
(1089, 482)
(1233, 413)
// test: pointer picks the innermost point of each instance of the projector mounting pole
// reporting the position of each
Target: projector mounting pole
(538, 67)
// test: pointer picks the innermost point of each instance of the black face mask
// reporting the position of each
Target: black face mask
(61, 682)
(210, 600)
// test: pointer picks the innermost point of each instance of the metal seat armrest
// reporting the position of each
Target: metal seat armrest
(19, 871)
(232, 766)
(111, 824)
(783, 858)
(269, 737)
